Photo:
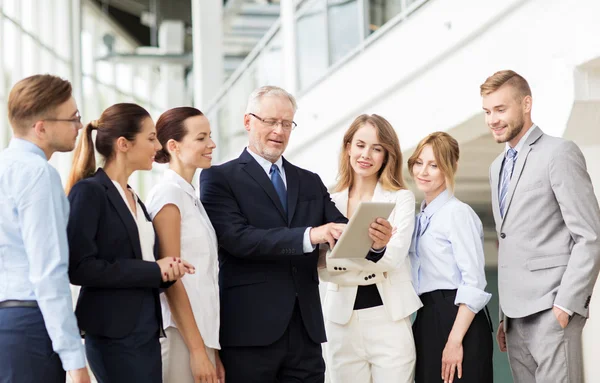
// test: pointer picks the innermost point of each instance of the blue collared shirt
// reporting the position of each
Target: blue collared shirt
(447, 251)
(34, 254)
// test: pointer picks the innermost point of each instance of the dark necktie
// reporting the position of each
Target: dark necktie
(279, 186)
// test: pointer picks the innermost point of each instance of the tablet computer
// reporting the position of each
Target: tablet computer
(355, 241)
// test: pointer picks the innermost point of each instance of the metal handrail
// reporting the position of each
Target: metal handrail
(258, 49)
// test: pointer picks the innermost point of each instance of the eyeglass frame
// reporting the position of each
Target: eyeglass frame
(273, 123)
(76, 120)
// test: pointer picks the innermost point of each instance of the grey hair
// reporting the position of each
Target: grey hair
(268, 90)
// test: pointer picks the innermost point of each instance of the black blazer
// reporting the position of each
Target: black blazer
(263, 267)
(106, 260)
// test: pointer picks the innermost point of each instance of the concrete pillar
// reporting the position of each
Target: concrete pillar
(288, 43)
(207, 33)
(4, 128)
(171, 90)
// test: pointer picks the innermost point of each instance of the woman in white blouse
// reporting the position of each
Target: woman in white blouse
(369, 301)
(191, 307)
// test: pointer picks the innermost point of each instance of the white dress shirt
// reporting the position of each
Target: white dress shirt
(199, 247)
(145, 228)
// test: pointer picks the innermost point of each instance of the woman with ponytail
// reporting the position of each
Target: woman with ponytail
(114, 249)
(191, 306)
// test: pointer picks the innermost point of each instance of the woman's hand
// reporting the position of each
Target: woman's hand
(172, 268)
(380, 233)
(452, 358)
(220, 368)
(203, 370)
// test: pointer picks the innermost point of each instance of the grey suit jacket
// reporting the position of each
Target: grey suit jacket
(549, 238)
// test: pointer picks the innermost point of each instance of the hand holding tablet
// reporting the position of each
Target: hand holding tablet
(355, 241)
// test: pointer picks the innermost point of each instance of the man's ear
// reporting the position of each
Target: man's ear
(39, 128)
(247, 121)
(527, 104)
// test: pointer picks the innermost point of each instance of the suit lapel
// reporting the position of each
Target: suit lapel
(519, 165)
(257, 173)
(293, 186)
(341, 201)
(495, 186)
(122, 210)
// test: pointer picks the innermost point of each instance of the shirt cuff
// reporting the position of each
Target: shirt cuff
(474, 298)
(73, 359)
(375, 255)
(565, 310)
(306, 245)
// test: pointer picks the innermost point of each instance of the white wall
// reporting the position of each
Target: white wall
(424, 75)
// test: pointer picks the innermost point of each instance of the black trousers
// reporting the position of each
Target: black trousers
(293, 358)
(26, 354)
(431, 330)
(135, 358)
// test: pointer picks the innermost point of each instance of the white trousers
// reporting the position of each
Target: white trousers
(176, 358)
(370, 348)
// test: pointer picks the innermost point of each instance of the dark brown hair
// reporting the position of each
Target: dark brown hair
(33, 97)
(390, 174)
(119, 120)
(171, 126)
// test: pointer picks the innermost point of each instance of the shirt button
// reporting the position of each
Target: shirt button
(502, 235)
(294, 270)
(335, 268)
(366, 278)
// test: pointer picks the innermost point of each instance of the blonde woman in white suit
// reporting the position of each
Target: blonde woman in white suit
(369, 301)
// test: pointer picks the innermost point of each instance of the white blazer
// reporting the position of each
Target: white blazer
(392, 273)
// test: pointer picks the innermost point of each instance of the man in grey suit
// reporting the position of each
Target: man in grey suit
(548, 225)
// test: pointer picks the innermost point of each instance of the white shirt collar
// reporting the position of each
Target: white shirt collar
(266, 164)
(173, 176)
(521, 142)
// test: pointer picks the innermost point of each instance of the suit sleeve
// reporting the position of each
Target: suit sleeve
(330, 212)
(574, 193)
(235, 234)
(86, 268)
(397, 249)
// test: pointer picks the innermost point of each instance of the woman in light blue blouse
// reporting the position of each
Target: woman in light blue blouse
(453, 335)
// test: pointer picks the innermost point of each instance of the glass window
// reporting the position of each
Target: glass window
(311, 29)
(46, 23)
(29, 16)
(9, 7)
(381, 11)
(62, 33)
(344, 28)
(87, 53)
(30, 50)
(268, 65)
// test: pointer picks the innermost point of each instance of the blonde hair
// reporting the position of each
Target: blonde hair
(34, 97)
(506, 77)
(390, 174)
(268, 90)
(446, 152)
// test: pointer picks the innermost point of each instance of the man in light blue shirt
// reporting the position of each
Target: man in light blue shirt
(39, 338)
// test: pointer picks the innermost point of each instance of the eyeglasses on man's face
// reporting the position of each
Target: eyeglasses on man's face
(272, 122)
(74, 120)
